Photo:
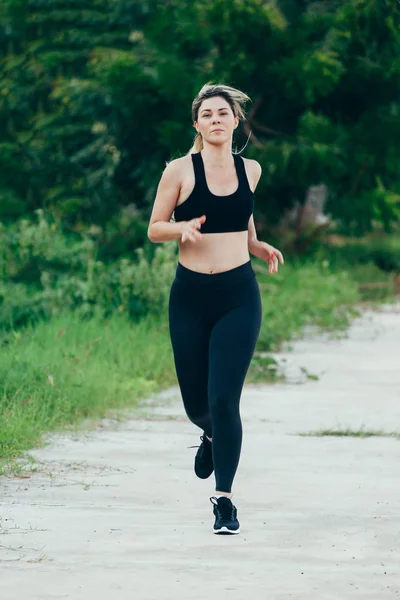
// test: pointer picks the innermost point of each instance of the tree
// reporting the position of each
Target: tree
(95, 98)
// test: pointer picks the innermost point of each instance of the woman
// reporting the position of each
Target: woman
(214, 305)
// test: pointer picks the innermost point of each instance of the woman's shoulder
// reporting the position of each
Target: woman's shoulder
(253, 171)
(177, 166)
(252, 165)
(178, 163)
(176, 169)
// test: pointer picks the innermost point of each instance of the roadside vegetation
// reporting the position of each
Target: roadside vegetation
(73, 364)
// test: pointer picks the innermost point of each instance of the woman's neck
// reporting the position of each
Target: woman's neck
(217, 156)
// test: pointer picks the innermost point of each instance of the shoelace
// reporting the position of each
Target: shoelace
(202, 439)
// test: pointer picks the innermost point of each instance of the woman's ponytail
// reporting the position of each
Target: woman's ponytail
(197, 144)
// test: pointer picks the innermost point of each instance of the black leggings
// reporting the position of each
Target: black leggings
(214, 322)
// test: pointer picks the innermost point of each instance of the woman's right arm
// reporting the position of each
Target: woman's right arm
(160, 228)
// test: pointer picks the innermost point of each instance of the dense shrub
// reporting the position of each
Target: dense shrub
(383, 251)
(45, 271)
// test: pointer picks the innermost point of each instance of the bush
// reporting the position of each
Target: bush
(380, 250)
(300, 294)
(45, 271)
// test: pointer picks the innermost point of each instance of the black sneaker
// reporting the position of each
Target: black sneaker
(225, 516)
(203, 462)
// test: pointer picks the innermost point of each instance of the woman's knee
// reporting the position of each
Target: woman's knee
(224, 407)
(197, 415)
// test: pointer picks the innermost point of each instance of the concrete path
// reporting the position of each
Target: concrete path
(117, 513)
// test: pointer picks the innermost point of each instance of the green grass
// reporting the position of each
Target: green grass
(301, 294)
(376, 248)
(68, 369)
(375, 286)
(359, 433)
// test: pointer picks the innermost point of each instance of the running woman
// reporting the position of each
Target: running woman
(215, 308)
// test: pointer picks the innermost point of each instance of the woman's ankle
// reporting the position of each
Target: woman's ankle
(226, 494)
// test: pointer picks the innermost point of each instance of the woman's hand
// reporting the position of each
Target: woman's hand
(267, 253)
(190, 229)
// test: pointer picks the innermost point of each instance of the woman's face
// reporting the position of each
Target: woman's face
(216, 121)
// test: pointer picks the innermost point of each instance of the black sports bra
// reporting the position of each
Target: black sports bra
(224, 213)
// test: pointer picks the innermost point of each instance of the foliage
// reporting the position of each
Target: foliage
(70, 368)
(44, 271)
(305, 292)
(95, 97)
(381, 251)
(66, 370)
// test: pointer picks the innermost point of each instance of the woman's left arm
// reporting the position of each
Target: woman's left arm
(260, 249)
(263, 250)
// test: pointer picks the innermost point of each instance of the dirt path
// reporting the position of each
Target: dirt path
(118, 513)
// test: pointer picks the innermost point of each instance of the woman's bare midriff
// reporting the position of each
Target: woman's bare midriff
(215, 252)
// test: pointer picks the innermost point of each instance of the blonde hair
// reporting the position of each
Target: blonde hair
(235, 98)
